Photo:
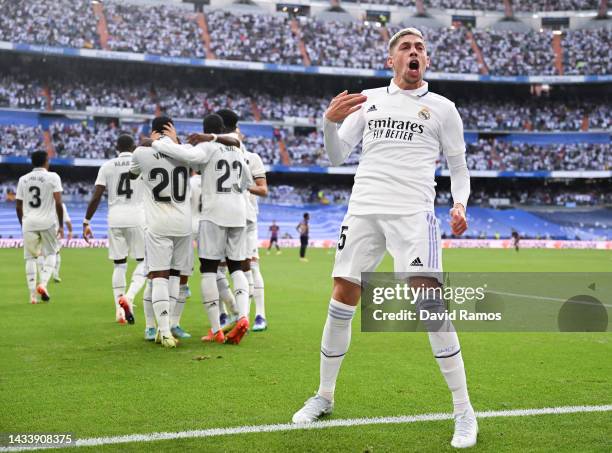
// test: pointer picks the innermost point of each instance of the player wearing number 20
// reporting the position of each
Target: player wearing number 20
(125, 225)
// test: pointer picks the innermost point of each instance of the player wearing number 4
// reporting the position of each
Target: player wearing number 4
(403, 127)
(125, 225)
(41, 215)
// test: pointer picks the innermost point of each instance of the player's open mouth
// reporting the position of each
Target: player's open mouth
(413, 65)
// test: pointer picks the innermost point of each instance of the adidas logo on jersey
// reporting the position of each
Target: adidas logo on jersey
(163, 313)
(372, 108)
(417, 262)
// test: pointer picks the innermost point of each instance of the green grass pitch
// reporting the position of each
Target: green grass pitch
(68, 367)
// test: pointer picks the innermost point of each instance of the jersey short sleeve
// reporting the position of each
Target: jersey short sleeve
(101, 179)
(256, 166)
(20, 194)
(56, 183)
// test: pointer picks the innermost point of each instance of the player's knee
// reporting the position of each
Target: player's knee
(346, 291)
(208, 266)
(245, 265)
(159, 274)
(431, 311)
(122, 261)
(175, 273)
(234, 266)
(184, 279)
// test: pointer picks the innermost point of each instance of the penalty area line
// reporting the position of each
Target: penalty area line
(254, 429)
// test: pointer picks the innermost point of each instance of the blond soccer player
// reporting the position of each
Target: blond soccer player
(403, 127)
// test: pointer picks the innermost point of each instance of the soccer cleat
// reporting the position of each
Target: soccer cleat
(279, 253)
(150, 333)
(125, 304)
(218, 337)
(466, 429)
(223, 320)
(57, 279)
(169, 342)
(304, 260)
(188, 293)
(166, 342)
(33, 299)
(314, 408)
(120, 316)
(260, 324)
(178, 332)
(237, 333)
(44, 294)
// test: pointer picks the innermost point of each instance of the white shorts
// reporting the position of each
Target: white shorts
(43, 242)
(126, 241)
(189, 269)
(413, 241)
(252, 245)
(217, 242)
(168, 252)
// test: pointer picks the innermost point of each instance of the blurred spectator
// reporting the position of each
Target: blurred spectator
(253, 37)
(66, 23)
(21, 140)
(159, 30)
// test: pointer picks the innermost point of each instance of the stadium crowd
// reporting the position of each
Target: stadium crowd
(517, 5)
(173, 31)
(96, 141)
(539, 114)
(160, 30)
(283, 194)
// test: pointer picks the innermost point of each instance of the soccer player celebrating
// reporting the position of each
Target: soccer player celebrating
(125, 226)
(403, 127)
(223, 217)
(258, 189)
(41, 215)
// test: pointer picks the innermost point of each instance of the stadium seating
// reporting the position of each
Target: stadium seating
(176, 31)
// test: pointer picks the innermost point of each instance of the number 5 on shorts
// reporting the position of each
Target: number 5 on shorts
(342, 239)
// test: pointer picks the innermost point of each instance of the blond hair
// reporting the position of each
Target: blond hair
(404, 32)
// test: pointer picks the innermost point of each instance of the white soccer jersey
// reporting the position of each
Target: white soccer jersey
(36, 190)
(125, 205)
(258, 170)
(195, 183)
(166, 198)
(403, 133)
(225, 176)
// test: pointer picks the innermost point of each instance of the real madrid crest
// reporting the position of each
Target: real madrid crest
(424, 114)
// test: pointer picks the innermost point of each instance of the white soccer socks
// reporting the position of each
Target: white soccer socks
(241, 293)
(445, 346)
(334, 345)
(47, 270)
(138, 279)
(177, 312)
(258, 290)
(174, 284)
(161, 305)
(210, 299)
(30, 269)
(225, 293)
(147, 304)
(119, 281)
(58, 264)
(249, 276)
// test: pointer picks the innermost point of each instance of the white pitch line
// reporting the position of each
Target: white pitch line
(253, 429)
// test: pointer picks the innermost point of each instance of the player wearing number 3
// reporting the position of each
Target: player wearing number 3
(403, 127)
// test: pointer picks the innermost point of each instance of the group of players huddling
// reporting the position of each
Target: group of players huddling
(402, 126)
(163, 195)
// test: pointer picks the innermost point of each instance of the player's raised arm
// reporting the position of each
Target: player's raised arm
(344, 108)
(453, 146)
(224, 139)
(191, 155)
